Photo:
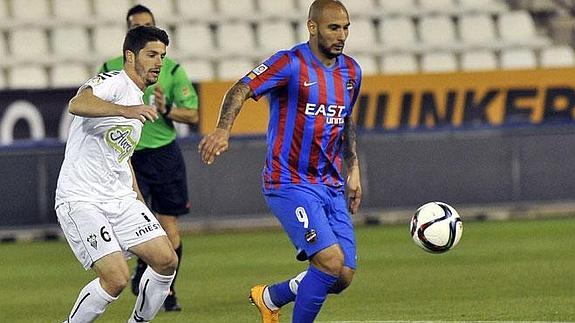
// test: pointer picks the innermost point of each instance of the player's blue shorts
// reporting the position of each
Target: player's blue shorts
(314, 217)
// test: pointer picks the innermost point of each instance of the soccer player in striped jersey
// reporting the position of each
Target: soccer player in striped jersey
(311, 89)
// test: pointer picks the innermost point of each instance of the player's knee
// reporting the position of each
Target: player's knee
(115, 282)
(329, 260)
(343, 282)
(166, 264)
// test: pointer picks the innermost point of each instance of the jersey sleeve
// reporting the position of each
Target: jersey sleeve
(184, 93)
(274, 72)
(103, 87)
(357, 85)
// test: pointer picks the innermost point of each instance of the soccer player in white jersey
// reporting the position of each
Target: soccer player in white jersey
(98, 203)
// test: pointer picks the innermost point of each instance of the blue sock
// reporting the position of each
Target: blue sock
(311, 294)
(281, 293)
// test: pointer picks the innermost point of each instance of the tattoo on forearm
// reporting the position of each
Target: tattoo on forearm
(349, 143)
(233, 102)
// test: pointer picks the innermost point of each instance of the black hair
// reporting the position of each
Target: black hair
(136, 10)
(138, 37)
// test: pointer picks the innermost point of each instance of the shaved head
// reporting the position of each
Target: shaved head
(318, 6)
(328, 24)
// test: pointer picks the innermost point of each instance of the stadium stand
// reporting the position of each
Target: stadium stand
(242, 10)
(394, 7)
(398, 33)
(517, 28)
(390, 36)
(430, 7)
(518, 58)
(438, 62)
(108, 40)
(111, 10)
(71, 11)
(403, 63)
(274, 36)
(557, 56)
(69, 74)
(70, 42)
(483, 6)
(365, 40)
(28, 77)
(478, 60)
(29, 44)
(478, 30)
(282, 10)
(368, 63)
(164, 11)
(201, 45)
(196, 10)
(30, 11)
(2, 79)
(234, 69)
(230, 44)
(437, 32)
(199, 70)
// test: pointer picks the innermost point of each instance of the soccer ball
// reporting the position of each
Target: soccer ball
(436, 227)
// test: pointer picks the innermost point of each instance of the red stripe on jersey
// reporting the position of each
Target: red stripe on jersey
(293, 159)
(272, 70)
(335, 130)
(319, 123)
(278, 142)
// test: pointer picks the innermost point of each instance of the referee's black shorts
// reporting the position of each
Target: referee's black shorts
(161, 176)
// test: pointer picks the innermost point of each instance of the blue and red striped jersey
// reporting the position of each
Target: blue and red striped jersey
(308, 105)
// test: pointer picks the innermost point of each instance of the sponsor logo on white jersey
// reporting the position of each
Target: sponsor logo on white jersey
(147, 229)
(120, 139)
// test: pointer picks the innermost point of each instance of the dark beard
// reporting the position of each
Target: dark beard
(142, 73)
(324, 49)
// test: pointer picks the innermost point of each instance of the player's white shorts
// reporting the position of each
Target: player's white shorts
(94, 230)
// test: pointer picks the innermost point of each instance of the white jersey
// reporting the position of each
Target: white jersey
(95, 167)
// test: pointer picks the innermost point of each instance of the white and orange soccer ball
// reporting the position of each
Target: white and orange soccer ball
(436, 227)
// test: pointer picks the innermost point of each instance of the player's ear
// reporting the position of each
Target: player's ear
(312, 27)
(130, 57)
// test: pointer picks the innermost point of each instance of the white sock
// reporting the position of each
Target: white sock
(154, 288)
(91, 303)
(294, 282)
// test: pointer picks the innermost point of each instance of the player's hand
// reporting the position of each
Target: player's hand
(353, 189)
(141, 112)
(159, 99)
(213, 144)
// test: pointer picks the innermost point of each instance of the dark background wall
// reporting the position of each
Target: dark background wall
(400, 170)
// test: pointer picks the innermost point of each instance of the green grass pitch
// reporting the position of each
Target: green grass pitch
(500, 271)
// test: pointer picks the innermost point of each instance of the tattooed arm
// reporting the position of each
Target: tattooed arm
(216, 142)
(352, 162)
(233, 102)
(350, 144)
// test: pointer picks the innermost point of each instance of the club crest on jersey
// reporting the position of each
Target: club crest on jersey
(92, 241)
(332, 112)
(311, 236)
(120, 139)
(350, 85)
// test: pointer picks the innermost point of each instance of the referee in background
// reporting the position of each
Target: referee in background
(157, 161)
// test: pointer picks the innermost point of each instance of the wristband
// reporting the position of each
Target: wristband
(168, 110)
